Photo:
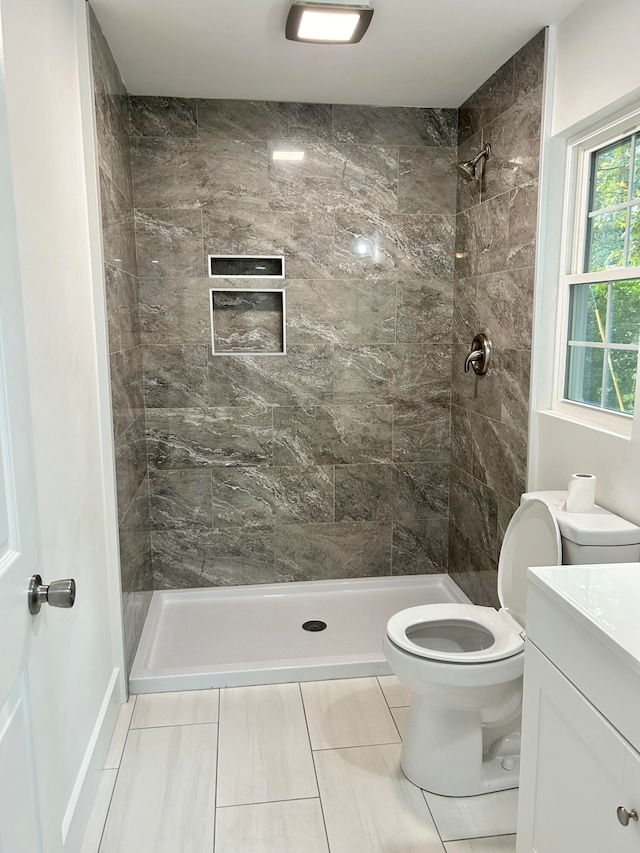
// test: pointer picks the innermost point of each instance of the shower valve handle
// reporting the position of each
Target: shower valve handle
(473, 357)
(479, 355)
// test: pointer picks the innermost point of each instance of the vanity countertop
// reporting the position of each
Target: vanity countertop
(605, 598)
(586, 620)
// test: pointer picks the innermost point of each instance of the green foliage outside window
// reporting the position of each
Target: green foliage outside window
(615, 169)
(604, 313)
(605, 316)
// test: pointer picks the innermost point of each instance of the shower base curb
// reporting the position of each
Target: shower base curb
(148, 675)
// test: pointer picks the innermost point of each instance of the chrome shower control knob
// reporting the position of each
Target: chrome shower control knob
(479, 355)
(624, 816)
(57, 594)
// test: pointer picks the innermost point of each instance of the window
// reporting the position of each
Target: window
(613, 232)
(602, 287)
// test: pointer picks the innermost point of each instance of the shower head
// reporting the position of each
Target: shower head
(468, 170)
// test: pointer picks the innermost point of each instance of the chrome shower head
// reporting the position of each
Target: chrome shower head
(468, 170)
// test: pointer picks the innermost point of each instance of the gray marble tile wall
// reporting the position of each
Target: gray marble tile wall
(121, 290)
(331, 461)
(494, 273)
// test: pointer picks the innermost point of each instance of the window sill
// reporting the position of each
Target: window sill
(608, 423)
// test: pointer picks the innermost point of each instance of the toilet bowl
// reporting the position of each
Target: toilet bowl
(459, 710)
(464, 663)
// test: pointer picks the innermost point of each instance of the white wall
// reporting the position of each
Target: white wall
(597, 62)
(48, 83)
(593, 73)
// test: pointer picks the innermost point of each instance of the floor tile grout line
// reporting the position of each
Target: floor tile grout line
(215, 796)
(117, 769)
(108, 809)
(306, 724)
(265, 803)
(424, 797)
(395, 723)
(479, 837)
(383, 693)
(357, 746)
(315, 769)
(173, 726)
(376, 681)
(215, 804)
(126, 738)
(375, 684)
(389, 705)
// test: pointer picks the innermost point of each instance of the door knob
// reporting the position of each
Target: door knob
(57, 594)
(624, 816)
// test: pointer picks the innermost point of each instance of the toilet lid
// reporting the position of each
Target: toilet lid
(532, 539)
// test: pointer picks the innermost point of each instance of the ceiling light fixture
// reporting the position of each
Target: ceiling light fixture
(328, 23)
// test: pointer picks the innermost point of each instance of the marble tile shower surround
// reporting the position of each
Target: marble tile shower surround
(121, 290)
(347, 456)
(333, 460)
(494, 275)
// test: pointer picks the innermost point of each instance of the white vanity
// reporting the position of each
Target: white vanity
(580, 776)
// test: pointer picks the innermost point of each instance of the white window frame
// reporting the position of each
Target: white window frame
(574, 232)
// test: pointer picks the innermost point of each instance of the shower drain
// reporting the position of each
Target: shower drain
(314, 625)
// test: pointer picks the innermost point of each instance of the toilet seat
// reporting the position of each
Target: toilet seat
(469, 633)
(498, 633)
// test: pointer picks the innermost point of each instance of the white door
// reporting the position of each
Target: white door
(20, 826)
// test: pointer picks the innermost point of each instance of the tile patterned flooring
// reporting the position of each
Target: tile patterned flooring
(285, 768)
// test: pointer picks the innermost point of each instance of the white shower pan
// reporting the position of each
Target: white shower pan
(195, 639)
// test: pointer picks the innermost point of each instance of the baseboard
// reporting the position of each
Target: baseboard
(84, 790)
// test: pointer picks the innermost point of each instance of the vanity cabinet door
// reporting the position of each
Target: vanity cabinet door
(576, 770)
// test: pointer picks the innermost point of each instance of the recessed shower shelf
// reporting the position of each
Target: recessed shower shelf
(246, 266)
(248, 322)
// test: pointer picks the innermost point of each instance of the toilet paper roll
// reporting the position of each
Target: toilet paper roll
(582, 493)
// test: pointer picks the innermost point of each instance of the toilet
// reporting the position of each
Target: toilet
(463, 662)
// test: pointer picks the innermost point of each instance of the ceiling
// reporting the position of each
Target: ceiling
(416, 52)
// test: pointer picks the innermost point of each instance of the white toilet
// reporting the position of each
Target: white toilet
(464, 663)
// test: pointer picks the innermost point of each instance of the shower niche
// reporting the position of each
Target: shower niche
(246, 266)
(248, 322)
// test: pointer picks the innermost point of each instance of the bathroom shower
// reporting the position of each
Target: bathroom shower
(273, 492)
(468, 170)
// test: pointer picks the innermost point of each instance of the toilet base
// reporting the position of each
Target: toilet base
(442, 753)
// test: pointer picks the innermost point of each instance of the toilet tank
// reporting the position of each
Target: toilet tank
(598, 536)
